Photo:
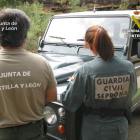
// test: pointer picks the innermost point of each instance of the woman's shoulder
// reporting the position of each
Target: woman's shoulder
(123, 61)
(122, 64)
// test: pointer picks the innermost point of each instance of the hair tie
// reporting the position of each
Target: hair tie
(98, 29)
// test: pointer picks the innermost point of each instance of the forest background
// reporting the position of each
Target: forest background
(40, 11)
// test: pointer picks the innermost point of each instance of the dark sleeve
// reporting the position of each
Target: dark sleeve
(74, 95)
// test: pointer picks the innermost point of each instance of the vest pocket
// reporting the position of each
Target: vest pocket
(90, 131)
(123, 127)
(95, 127)
(92, 126)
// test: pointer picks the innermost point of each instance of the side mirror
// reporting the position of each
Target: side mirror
(39, 40)
(125, 50)
(138, 49)
(40, 43)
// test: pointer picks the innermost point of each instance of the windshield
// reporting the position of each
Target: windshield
(72, 30)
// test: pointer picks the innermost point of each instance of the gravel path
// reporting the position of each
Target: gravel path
(134, 129)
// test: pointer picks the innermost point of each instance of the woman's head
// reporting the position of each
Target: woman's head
(99, 42)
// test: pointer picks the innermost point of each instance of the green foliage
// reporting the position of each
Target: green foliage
(73, 4)
(9, 3)
(125, 4)
(75, 7)
(137, 7)
(82, 8)
(62, 4)
(39, 22)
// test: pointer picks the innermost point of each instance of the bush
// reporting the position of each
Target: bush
(9, 3)
(61, 2)
(125, 4)
(74, 6)
(63, 5)
(39, 22)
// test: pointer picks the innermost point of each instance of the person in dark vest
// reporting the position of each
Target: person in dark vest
(26, 81)
(105, 87)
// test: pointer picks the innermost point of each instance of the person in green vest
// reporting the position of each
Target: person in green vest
(105, 87)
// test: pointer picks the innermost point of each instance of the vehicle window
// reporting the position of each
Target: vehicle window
(72, 29)
(110, 30)
(122, 27)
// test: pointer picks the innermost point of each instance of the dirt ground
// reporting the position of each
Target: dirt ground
(134, 129)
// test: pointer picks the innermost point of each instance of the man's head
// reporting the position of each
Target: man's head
(14, 26)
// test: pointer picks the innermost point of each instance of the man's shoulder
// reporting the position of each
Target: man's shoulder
(37, 59)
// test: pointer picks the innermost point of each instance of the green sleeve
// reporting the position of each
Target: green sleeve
(74, 95)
